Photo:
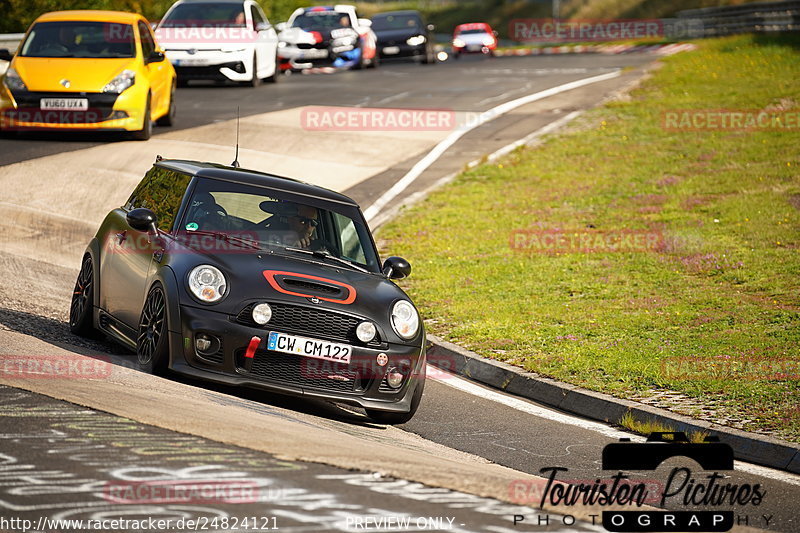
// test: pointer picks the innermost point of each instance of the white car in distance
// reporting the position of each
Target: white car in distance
(220, 40)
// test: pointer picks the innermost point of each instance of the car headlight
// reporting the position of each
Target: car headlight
(124, 79)
(13, 81)
(262, 313)
(207, 283)
(458, 43)
(405, 320)
(366, 331)
(488, 41)
(416, 40)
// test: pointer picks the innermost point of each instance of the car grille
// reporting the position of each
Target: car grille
(305, 372)
(317, 46)
(305, 321)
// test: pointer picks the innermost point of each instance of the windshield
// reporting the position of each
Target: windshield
(204, 15)
(473, 31)
(317, 20)
(275, 221)
(396, 22)
(80, 39)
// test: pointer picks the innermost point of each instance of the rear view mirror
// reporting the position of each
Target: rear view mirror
(142, 219)
(396, 268)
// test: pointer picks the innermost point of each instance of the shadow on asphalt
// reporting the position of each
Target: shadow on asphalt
(57, 333)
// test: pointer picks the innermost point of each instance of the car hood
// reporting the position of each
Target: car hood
(399, 36)
(254, 275)
(300, 36)
(84, 74)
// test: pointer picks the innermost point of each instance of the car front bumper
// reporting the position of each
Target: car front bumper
(22, 111)
(403, 50)
(212, 65)
(361, 382)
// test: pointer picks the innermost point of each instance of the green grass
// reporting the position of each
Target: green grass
(723, 287)
(648, 426)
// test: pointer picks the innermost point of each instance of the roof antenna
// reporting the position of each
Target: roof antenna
(235, 163)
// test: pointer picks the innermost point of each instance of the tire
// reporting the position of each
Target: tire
(169, 118)
(81, 309)
(183, 82)
(390, 418)
(456, 55)
(277, 73)
(147, 124)
(255, 81)
(152, 339)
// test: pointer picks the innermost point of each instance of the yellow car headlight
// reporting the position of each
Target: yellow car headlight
(124, 79)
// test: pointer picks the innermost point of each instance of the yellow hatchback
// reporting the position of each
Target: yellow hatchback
(88, 71)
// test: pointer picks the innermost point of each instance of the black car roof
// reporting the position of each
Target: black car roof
(254, 177)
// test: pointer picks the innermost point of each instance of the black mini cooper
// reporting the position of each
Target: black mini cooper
(245, 278)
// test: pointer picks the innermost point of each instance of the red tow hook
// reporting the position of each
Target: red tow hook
(251, 352)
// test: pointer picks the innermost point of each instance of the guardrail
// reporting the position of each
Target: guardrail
(757, 17)
(10, 40)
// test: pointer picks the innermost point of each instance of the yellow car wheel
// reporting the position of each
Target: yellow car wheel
(147, 124)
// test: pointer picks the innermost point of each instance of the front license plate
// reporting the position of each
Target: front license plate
(330, 351)
(390, 50)
(196, 62)
(313, 54)
(60, 104)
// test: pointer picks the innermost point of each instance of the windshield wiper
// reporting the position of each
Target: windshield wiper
(327, 255)
(227, 238)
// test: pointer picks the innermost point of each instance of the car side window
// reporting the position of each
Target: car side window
(148, 43)
(161, 191)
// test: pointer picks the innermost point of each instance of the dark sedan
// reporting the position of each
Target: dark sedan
(403, 34)
(248, 279)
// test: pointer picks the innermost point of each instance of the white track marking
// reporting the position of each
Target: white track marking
(483, 118)
(550, 414)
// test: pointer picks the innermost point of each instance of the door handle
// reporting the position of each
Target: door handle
(121, 237)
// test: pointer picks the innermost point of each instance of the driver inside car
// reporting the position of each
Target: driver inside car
(299, 225)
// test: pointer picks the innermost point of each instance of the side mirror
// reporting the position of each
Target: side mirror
(396, 268)
(142, 219)
(280, 26)
(431, 27)
(156, 57)
(495, 33)
(5, 55)
(365, 22)
(263, 26)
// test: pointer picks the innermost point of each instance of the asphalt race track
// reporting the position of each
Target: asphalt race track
(469, 459)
